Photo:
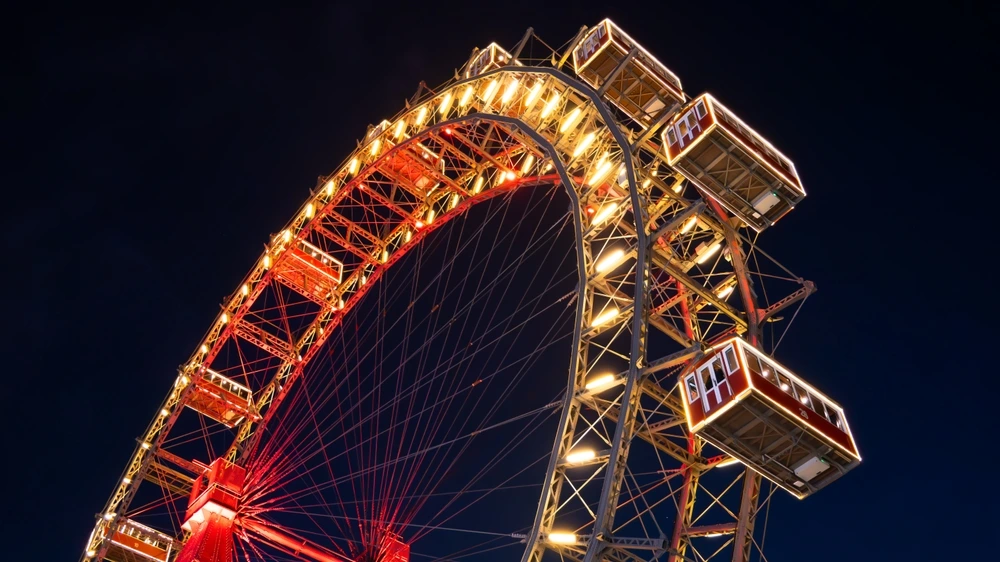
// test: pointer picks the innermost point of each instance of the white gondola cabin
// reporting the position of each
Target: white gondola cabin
(633, 79)
(485, 60)
(751, 407)
(730, 162)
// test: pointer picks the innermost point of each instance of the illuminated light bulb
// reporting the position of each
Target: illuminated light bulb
(352, 168)
(224, 318)
(286, 235)
(766, 372)
(583, 455)
(109, 516)
(491, 90)
(548, 167)
(804, 399)
(267, 261)
(454, 200)
(646, 182)
(421, 115)
(605, 317)
(478, 185)
(310, 210)
(584, 144)
(600, 173)
(376, 144)
(529, 161)
(509, 91)
(689, 224)
(713, 535)
(419, 224)
(385, 256)
(448, 131)
(728, 462)
(550, 105)
(445, 104)
(533, 94)
(562, 538)
(570, 120)
(708, 252)
(184, 380)
(164, 412)
(784, 386)
(400, 129)
(341, 304)
(430, 216)
(204, 348)
(656, 172)
(510, 175)
(364, 280)
(600, 382)
(245, 289)
(605, 212)
(330, 187)
(590, 209)
(145, 446)
(609, 261)
(725, 291)
(466, 97)
(678, 186)
(91, 553)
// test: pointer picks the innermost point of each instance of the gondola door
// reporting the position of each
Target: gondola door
(717, 388)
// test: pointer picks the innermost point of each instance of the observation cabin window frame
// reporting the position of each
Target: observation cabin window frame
(730, 359)
(718, 372)
(693, 391)
(707, 380)
(782, 379)
(802, 393)
(671, 136)
(693, 123)
(834, 416)
(755, 366)
(700, 110)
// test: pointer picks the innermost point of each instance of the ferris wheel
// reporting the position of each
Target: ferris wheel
(528, 318)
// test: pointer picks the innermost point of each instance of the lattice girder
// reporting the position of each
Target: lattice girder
(520, 127)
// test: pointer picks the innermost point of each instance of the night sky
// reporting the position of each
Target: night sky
(150, 153)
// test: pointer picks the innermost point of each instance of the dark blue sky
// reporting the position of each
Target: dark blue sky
(150, 153)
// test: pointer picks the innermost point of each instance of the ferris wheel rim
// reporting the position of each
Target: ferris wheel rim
(540, 142)
(564, 178)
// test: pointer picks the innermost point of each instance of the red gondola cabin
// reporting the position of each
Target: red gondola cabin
(485, 60)
(134, 542)
(731, 163)
(751, 407)
(630, 77)
(222, 399)
(311, 272)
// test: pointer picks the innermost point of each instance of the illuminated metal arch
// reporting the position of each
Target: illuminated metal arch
(592, 111)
